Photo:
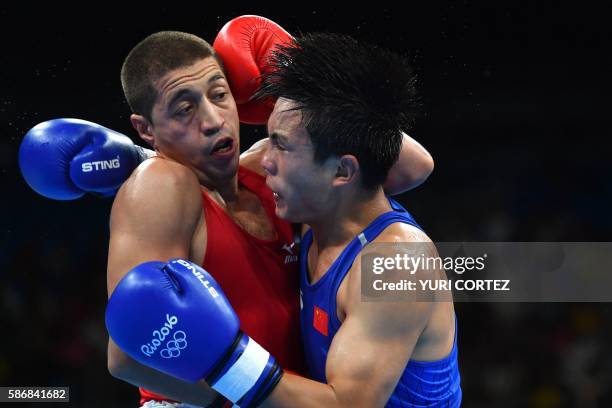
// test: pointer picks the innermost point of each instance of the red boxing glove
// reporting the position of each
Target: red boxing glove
(245, 45)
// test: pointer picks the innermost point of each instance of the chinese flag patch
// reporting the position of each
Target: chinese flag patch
(320, 320)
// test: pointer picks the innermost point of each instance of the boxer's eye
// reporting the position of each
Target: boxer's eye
(220, 96)
(276, 144)
(184, 110)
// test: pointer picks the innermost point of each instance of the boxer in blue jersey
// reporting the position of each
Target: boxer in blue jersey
(335, 135)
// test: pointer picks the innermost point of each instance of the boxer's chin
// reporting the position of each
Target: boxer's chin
(225, 170)
(281, 209)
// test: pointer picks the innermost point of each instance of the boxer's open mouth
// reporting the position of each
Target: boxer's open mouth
(277, 197)
(222, 147)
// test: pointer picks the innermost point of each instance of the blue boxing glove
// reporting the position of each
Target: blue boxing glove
(175, 318)
(63, 159)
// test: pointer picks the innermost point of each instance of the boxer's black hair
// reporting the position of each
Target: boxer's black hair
(355, 98)
(153, 58)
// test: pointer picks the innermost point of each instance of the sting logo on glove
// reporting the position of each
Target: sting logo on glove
(100, 165)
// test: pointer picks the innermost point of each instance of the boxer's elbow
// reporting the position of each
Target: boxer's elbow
(425, 168)
(117, 368)
(408, 174)
(118, 363)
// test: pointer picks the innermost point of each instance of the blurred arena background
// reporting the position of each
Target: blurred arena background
(515, 100)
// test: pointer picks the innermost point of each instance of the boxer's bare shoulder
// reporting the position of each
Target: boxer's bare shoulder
(401, 232)
(251, 158)
(157, 173)
(157, 214)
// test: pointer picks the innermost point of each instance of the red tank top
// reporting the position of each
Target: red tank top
(259, 277)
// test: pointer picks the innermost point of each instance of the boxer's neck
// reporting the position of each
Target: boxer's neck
(225, 194)
(230, 192)
(245, 208)
(346, 220)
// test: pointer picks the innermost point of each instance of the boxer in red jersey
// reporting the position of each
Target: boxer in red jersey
(199, 200)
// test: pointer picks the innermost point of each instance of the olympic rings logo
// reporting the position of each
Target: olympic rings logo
(174, 347)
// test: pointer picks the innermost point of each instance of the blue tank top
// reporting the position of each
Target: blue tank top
(422, 384)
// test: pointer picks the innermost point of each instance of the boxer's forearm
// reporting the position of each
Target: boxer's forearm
(299, 392)
(126, 369)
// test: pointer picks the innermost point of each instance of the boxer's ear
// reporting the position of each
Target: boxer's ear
(348, 168)
(143, 127)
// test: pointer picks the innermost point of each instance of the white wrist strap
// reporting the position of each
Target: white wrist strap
(244, 373)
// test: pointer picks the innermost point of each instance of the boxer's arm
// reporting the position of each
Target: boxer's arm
(130, 371)
(367, 355)
(251, 158)
(365, 361)
(411, 169)
(154, 217)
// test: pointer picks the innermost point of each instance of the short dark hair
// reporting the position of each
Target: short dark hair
(153, 58)
(355, 98)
